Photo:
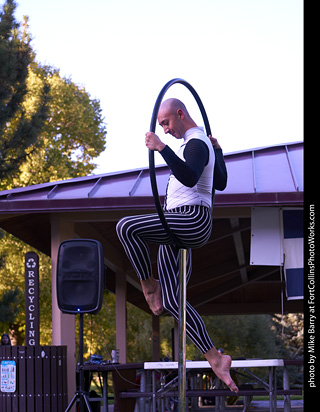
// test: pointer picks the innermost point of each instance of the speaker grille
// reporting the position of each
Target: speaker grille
(80, 276)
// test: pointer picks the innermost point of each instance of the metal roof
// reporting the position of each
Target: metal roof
(263, 176)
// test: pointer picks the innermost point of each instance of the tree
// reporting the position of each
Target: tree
(289, 329)
(19, 132)
(50, 129)
(9, 305)
(72, 135)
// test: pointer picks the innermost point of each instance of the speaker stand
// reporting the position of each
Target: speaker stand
(80, 394)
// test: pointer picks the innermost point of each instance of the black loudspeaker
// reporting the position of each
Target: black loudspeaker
(80, 275)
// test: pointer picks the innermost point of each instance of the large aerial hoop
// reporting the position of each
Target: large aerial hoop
(151, 153)
(174, 239)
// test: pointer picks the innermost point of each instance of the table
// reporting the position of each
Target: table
(124, 376)
(148, 370)
(270, 386)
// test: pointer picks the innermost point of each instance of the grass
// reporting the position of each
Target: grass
(279, 398)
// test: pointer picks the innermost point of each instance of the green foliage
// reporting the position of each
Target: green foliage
(247, 336)
(50, 129)
(259, 336)
(71, 137)
(10, 305)
(100, 332)
(19, 132)
(139, 335)
(289, 329)
(15, 57)
(12, 279)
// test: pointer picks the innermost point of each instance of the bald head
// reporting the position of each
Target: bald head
(172, 105)
(173, 116)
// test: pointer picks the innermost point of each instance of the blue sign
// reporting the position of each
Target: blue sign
(8, 376)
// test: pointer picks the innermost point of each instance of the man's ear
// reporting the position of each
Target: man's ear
(180, 114)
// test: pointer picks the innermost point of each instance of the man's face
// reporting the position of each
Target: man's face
(171, 123)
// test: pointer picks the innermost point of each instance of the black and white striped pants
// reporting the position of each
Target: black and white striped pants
(192, 226)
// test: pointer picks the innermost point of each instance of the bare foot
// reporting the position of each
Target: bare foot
(220, 365)
(152, 292)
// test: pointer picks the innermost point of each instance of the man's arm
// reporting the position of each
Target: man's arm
(220, 176)
(188, 172)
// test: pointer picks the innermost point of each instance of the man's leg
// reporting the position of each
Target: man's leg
(192, 224)
(168, 266)
(134, 232)
(168, 269)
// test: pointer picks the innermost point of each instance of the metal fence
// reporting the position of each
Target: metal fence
(33, 378)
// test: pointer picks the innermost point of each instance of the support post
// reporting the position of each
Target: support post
(286, 386)
(182, 330)
(121, 316)
(63, 325)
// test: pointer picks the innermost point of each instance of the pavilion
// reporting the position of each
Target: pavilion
(225, 280)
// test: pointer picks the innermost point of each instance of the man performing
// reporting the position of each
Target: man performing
(187, 209)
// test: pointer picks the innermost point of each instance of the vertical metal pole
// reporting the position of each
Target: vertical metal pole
(154, 406)
(81, 372)
(286, 385)
(142, 389)
(272, 392)
(105, 391)
(182, 330)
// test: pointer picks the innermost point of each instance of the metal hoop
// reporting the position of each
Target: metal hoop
(151, 152)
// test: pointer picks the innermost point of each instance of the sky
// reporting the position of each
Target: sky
(243, 57)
